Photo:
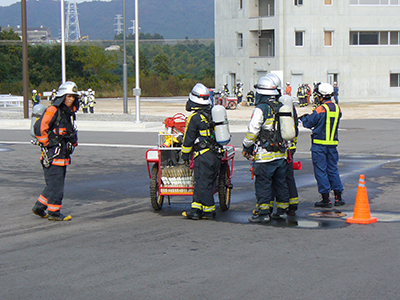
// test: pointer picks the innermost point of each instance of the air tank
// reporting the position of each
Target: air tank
(37, 112)
(286, 120)
(220, 118)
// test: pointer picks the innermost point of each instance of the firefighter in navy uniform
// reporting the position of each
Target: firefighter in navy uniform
(324, 122)
(199, 140)
(56, 133)
(269, 159)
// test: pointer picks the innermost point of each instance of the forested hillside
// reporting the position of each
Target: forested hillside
(165, 70)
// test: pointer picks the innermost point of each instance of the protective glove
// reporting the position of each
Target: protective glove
(247, 152)
(185, 156)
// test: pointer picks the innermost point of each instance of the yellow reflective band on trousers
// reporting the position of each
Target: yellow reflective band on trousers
(329, 134)
(269, 155)
(208, 208)
(197, 205)
(264, 206)
(294, 200)
(282, 205)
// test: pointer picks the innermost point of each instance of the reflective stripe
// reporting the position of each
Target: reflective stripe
(186, 149)
(329, 134)
(200, 152)
(209, 208)
(250, 136)
(197, 205)
(42, 200)
(61, 161)
(205, 132)
(269, 155)
(53, 207)
(263, 206)
(294, 200)
(283, 205)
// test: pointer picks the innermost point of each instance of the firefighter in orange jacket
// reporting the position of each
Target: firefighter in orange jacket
(57, 136)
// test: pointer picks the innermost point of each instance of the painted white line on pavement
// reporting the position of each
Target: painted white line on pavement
(90, 145)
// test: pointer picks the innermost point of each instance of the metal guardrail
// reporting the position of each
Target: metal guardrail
(11, 101)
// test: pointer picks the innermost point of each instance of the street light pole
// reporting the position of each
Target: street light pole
(124, 67)
(137, 88)
(63, 67)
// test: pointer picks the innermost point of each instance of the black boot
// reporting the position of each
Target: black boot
(40, 210)
(338, 199)
(279, 214)
(260, 216)
(57, 216)
(292, 210)
(193, 213)
(325, 202)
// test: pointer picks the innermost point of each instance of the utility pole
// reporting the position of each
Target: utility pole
(25, 74)
(124, 67)
(136, 91)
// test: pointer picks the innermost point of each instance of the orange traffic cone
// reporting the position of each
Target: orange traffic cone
(361, 214)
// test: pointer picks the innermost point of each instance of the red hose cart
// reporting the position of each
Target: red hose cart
(170, 177)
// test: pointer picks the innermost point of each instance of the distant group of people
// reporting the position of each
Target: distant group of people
(87, 99)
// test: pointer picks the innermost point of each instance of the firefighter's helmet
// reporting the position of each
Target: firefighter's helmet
(67, 88)
(324, 90)
(200, 95)
(266, 86)
(34, 92)
(275, 78)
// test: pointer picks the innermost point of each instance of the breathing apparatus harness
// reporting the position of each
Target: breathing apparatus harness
(56, 140)
(272, 140)
(209, 141)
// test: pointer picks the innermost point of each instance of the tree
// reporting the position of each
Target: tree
(8, 35)
(161, 65)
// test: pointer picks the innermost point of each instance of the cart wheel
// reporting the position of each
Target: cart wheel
(156, 200)
(224, 191)
(232, 105)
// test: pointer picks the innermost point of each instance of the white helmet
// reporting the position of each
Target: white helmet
(67, 88)
(324, 90)
(266, 86)
(275, 78)
(89, 90)
(200, 95)
(34, 91)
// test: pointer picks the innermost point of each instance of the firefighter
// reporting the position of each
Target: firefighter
(301, 94)
(199, 141)
(324, 122)
(91, 100)
(239, 91)
(53, 96)
(336, 92)
(250, 98)
(57, 136)
(35, 98)
(84, 101)
(268, 154)
(288, 90)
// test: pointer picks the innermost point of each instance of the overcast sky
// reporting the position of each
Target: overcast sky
(9, 2)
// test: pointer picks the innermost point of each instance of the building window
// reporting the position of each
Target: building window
(328, 38)
(299, 38)
(298, 2)
(374, 37)
(327, 2)
(239, 40)
(394, 80)
(267, 43)
(375, 2)
(266, 8)
(394, 37)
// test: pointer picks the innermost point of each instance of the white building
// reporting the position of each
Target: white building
(353, 42)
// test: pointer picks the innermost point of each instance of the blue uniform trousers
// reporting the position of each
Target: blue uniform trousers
(326, 172)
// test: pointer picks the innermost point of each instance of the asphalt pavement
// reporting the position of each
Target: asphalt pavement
(117, 246)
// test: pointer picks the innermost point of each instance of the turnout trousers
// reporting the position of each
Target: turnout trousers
(325, 168)
(206, 169)
(271, 181)
(53, 192)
